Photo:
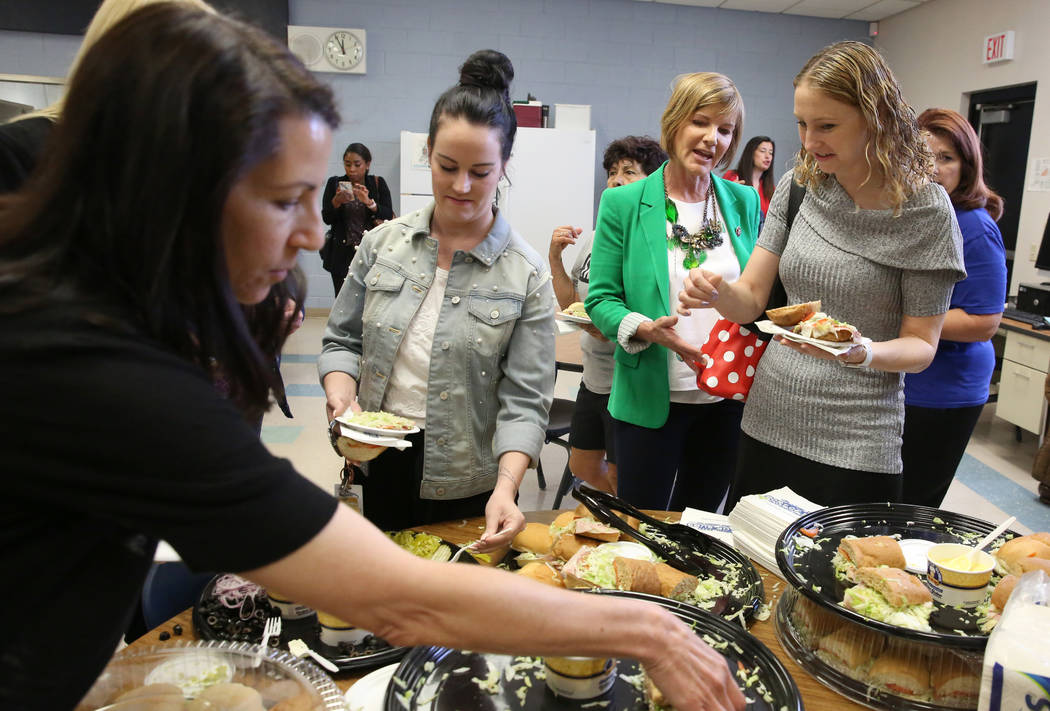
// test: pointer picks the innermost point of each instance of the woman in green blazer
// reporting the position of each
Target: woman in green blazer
(675, 444)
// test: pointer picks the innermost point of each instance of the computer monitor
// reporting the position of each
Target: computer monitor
(1042, 259)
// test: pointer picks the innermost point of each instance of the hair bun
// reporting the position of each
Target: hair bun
(487, 69)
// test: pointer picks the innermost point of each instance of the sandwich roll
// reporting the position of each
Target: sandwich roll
(674, 583)
(788, 316)
(636, 575)
(955, 682)
(543, 573)
(535, 538)
(1003, 590)
(1029, 564)
(824, 328)
(850, 648)
(358, 451)
(590, 528)
(868, 552)
(898, 587)
(572, 573)
(568, 545)
(1042, 537)
(902, 674)
(1009, 556)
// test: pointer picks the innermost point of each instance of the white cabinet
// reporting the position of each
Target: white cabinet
(1021, 400)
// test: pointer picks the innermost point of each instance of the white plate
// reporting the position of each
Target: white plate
(361, 436)
(572, 319)
(829, 346)
(378, 431)
(915, 553)
(368, 693)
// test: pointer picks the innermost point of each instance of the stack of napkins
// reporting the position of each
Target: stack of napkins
(759, 519)
(714, 525)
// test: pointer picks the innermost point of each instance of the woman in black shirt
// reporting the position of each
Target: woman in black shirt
(352, 204)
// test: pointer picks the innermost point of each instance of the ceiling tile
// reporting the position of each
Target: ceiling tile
(758, 5)
(883, 9)
(827, 8)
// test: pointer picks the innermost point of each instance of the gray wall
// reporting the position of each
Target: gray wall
(619, 56)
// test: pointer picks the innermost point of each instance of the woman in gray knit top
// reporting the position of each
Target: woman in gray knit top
(877, 242)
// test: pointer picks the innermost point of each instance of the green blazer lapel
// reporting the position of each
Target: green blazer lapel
(732, 214)
(653, 220)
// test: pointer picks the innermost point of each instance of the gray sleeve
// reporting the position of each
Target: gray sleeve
(774, 235)
(526, 390)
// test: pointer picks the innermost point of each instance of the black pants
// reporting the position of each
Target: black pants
(339, 270)
(391, 490)
(762, 468)
(935, 439)
(687, 462)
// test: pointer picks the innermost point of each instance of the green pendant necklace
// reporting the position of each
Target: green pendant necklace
(694, 246)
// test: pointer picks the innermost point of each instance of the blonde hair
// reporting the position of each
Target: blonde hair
(696, 91)
(109, 13)
(857, 75)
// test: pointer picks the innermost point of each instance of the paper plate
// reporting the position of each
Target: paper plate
(829, 346)
(572, 319)
(368, 692)
(433, 678)
(378, 431)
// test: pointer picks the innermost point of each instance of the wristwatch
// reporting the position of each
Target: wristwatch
(864, 363)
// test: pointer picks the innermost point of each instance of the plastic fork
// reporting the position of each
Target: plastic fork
(299, 649)
(456, 556)
(272, 628)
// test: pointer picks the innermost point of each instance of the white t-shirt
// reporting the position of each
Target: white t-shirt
(406, 391)
(694, 328)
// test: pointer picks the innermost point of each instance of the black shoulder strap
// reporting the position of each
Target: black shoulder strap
(794, 201)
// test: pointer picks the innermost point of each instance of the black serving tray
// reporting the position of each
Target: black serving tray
(372, 652)
(440, 678)
(685, 548)
(811, 570)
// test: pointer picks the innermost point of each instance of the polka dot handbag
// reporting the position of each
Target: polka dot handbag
(728, 360)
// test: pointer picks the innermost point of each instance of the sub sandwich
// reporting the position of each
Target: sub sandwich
(608, 566)
(850, 649)
(788, 316)
(1018, 555)
(822, 327)
(868, 552)
(902, 674)
(892, 596)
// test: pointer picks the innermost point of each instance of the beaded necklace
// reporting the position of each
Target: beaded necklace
(694, 246)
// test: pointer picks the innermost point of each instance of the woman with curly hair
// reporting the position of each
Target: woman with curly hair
(876, 240)
(592, 455)
(942, 403)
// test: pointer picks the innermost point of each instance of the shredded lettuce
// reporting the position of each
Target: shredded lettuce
(871, 603)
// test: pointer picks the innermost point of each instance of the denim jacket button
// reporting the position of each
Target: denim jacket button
(445, 345)
(441, 441)
(375, 280)
(455, 299)
(494, 313)
(444, 395)
(440, 491)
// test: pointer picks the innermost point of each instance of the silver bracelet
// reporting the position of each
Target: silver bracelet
(868, 354)
(509, 476)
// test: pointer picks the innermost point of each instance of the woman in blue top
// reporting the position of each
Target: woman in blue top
(943, 402)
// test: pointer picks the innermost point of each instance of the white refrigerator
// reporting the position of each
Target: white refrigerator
(550, 182)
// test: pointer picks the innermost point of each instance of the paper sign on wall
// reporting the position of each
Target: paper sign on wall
(1039, 179)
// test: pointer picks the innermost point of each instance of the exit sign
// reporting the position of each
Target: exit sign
(998, 47)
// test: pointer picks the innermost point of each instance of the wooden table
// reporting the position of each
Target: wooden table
(815, 695)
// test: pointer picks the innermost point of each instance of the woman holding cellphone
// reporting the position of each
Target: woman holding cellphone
(876, 240)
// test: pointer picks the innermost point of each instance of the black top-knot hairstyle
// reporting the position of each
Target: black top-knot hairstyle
(482, 97)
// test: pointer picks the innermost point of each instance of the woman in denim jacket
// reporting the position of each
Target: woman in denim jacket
(447, 317)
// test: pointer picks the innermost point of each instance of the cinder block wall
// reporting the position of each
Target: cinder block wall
(619, 56)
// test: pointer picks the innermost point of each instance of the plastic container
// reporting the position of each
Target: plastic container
(580, 677)
(876, 669)
(334, 631)
(953, 579)
(207, 674)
